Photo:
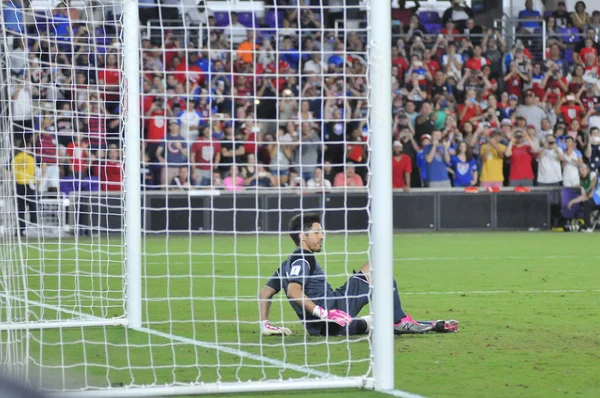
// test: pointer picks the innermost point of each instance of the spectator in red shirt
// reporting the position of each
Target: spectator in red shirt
(470, 111)
(189, 70)
(577, 79)
(554, 84)
(79, 158)
(109, 80)
(587, 49)
(156, 128)
(348, 177)
(111, 170)
(47, 151)
(570, 108)
(521, 156)
(430, 63)
(477, 61)
(450, 32)
(399, 61)
(205, 156)
(401, 168)
(514, 80)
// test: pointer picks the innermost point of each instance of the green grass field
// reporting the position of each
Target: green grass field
(527, 303)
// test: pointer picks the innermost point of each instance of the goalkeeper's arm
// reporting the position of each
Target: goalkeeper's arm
(264, 299)
(296, 293)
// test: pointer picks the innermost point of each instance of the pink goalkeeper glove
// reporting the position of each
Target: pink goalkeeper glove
(267, 330)
(338, 316)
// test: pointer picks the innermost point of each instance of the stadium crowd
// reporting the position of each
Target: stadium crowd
(226, 105)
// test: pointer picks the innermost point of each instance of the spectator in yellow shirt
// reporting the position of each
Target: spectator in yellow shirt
(23, 167)
(492, 155)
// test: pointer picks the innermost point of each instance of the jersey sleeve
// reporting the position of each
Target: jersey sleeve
(275, 281)
(298, 271)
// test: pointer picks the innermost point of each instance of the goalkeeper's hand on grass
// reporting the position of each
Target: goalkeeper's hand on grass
(337, 316)
(267, 330)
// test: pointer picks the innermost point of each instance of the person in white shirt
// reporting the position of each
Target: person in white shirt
(235, 31)
(315, 65)
(317, 181)
(18, 57)
(453, 62)
(549, 163)
(572, 159)
(189, 122)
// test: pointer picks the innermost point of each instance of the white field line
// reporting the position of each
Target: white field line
(492, 292)
(227, 350)
(474, 258)
(401, 394)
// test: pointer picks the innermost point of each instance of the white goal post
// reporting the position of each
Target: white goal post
(112, 285)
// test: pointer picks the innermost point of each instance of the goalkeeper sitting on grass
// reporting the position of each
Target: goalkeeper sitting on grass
(325, 311)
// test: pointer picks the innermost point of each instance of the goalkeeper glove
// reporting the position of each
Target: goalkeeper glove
(267, 330)
(338, 316)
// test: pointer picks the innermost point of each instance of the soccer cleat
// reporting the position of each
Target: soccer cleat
(445, 326)
(407, 325)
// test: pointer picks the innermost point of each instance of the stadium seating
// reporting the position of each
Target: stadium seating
(430, 17)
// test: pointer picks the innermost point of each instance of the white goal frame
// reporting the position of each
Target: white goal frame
(381, 251)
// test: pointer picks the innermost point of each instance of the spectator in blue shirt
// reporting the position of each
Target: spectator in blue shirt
(289, 54)
(464, 167)
(437, 156)
(533, 17)
(420, 159)
(172, 153)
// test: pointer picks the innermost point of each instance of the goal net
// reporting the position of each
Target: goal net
(246, 114)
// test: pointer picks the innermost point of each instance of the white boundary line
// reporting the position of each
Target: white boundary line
(491, 292)
(401, 394)
(472, 258)
(227, 350)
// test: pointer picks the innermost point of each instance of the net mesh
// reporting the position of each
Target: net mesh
(250, 114)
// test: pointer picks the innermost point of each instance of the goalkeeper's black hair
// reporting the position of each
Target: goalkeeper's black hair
(302, 222)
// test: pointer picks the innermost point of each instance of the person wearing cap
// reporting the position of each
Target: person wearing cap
(172, 153)
(437, 156)
(513, 105)
(570, 107)
(532, 113)
(492, 158)
(561, 15)
(401, 168)
(521, 151)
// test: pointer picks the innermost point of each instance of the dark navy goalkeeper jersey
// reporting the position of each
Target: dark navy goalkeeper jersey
(302, 268)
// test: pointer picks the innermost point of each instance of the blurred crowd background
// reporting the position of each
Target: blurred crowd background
(230, 100)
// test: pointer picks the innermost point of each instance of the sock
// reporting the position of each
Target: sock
(398, 313)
